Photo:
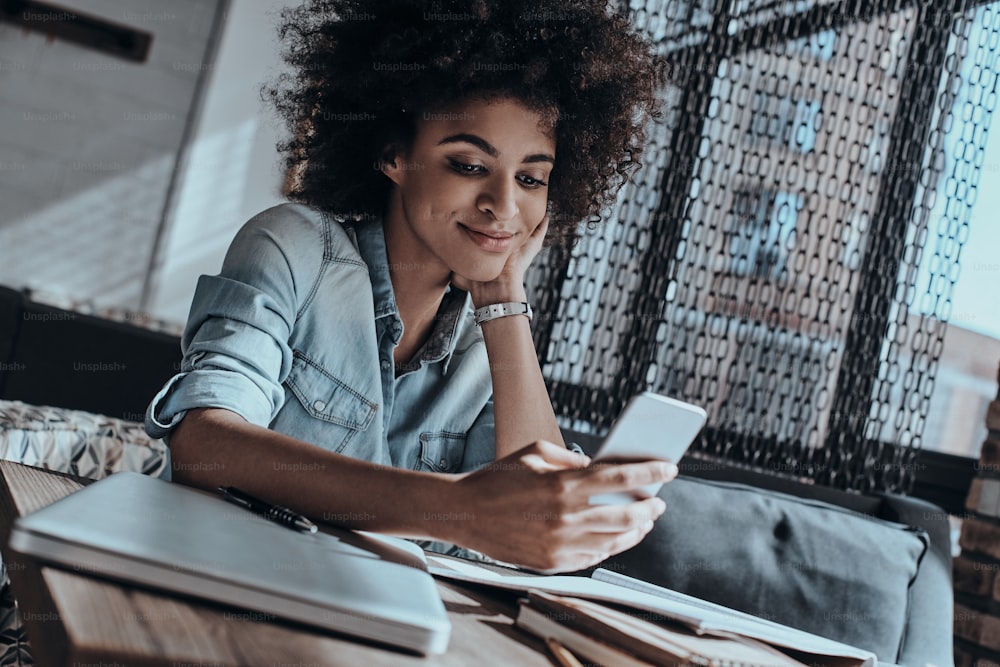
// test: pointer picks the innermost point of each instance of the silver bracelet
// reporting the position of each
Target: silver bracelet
(495, 310)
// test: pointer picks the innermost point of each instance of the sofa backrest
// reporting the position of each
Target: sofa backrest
(684, 554)
(66, 359)
(11, 306)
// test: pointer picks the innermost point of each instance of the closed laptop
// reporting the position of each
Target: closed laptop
(142, 530)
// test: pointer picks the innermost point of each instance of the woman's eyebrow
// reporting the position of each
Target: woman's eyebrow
(540, 157)
(488, 148)
(478, 142)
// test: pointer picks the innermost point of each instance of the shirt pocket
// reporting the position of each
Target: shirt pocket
(325, 397)
(441, 452)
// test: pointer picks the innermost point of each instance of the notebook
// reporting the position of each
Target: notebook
(581, 644)
(608, 636)
(146, 531)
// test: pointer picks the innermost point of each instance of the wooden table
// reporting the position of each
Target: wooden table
(76, 619)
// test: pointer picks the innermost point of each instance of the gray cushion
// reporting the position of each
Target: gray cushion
(803, 563)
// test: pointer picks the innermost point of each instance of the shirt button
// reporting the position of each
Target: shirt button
(319, 406)
(443, 463)
(386, 365)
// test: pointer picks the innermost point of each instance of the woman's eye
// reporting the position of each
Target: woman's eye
(532, 182)
(466, 168)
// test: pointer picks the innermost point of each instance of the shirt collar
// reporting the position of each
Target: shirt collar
(370, 237)
(442, 340)
(371, 246)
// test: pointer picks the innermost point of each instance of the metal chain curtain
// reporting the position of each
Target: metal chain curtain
(765, 262)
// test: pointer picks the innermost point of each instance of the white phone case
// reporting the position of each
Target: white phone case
(651, 427)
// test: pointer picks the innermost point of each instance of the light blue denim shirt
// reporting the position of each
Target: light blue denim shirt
(297, 334)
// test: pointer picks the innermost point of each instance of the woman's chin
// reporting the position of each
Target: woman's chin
(465, 279)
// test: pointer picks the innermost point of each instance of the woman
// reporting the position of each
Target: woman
(364, 356)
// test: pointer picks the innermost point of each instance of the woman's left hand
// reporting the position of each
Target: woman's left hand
(509, 285)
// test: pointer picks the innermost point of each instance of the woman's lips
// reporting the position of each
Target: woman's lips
(492, 242)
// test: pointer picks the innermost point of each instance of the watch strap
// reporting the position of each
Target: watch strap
(497, 310)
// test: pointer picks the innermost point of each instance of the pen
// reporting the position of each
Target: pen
(562, 654)
(276, 513)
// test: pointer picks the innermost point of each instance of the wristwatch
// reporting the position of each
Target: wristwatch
(495, 310)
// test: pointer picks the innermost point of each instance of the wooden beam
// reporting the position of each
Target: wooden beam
(86, 30)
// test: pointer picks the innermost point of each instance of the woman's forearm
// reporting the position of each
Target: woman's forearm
(521, 406)
(544, 521)
(214, 447)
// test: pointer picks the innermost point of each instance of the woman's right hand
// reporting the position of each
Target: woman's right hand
(532, 508)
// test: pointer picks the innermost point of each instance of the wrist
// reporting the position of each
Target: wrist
(488, 294)
(440, 518)
(502, 310)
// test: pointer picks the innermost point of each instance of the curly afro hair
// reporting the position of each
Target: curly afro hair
(365, 70)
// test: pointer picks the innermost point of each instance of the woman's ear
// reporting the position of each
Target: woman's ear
(390, 161)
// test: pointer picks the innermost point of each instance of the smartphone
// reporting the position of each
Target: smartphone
(650, 427)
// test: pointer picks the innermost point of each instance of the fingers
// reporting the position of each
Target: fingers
(621, 518)
(542, 227)
(552, 486)
(531, 246)
(603, 546)
(622, 541)
(610, 477)
(589, 549)
(593, 535)
(544, 456)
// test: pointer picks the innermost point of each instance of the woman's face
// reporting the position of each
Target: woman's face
(472, 186)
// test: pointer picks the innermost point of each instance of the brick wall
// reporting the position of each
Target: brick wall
(977, 568)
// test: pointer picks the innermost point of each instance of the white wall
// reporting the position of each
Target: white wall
(232, 170)
(88, 143)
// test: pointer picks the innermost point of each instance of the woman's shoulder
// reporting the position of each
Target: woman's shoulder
(301, 230)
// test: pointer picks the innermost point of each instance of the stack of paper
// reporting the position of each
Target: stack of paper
(702, 618)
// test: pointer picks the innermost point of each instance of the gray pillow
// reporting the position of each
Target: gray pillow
(803, 563)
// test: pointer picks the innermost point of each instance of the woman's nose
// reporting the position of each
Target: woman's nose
(499, 198)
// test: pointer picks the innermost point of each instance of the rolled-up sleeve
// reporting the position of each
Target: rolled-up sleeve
(235, 343)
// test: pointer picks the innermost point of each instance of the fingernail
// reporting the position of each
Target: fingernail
(648, 526)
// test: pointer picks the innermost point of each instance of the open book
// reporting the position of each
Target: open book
(700, 616)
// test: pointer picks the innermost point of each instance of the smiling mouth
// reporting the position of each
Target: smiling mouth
(493, 242)
(492, 235)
